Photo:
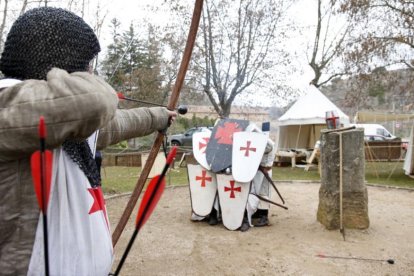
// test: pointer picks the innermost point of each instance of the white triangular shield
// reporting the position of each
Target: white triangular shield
(248, 150)
(233, 199)
(203, 189)
(200, 140)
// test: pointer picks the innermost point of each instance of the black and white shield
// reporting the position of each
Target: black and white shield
(219, 147)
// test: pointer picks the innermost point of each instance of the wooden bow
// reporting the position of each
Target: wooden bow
(160, 137)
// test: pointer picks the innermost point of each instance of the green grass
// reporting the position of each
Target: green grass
(387, 173)
(123, 179)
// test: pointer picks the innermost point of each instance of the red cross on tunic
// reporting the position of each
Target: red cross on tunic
(98, 202)
(232, 189)
(203, 178)
(247, 149)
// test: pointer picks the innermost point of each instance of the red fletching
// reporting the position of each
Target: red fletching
(36, 164)
(42, 128)
(120, 96)
(321, 256)
(151, 197)
(171, 155)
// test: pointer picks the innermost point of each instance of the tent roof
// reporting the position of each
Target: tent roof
(310, 109)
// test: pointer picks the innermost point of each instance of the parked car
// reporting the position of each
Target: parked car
(186, 138)
(375, 138)
(375, 132)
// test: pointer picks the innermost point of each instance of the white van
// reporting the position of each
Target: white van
(375, 132)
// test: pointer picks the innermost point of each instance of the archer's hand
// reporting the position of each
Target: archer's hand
(171, 117)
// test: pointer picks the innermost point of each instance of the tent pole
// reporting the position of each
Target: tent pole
(341, 210)
(297, 138)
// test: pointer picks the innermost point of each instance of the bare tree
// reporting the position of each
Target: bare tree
(237, 45)
(329, 44)
(99, 21)
(3, 23)
(238, 48)
(24, 6)
(388, 31)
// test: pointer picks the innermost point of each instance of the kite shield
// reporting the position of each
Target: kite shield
(233, 199)
(248, 150)
(200, 140)
(203, 189)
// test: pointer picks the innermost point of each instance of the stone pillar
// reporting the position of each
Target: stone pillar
(355, 197)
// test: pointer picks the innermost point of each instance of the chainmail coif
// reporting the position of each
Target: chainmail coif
(47, 37)
(44, 38)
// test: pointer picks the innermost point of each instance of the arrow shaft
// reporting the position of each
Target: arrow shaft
(46, 245)
(147, 205)
(139, 224)
(128, 248)
(44, 203)
(43, 189)
(390, 261)
(141, 101)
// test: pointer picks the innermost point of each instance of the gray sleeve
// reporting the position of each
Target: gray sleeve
(132, 123)
(73, 105)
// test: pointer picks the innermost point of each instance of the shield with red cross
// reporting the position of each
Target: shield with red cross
(233, 199)
(219, 147)
(200, 141)
(203, 189)
(248, 150)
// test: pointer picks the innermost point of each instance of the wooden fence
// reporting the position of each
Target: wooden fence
(383, 151)
(130, 159)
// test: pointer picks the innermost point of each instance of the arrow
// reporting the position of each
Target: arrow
(151, 197)
(390, 261)
(41, 165)
(182, 109)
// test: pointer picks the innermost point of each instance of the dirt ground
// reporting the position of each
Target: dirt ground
(170, 244)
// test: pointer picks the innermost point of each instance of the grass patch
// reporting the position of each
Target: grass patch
(123, 179)
(387, 173)
(289, 173)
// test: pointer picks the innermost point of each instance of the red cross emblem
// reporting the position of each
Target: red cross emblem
(247, 149)
(232, 189)
(333, 119)
(202, 146)
(224, 133)
(203, 178)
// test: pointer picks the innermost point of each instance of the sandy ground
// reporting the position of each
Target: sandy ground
(170, 244)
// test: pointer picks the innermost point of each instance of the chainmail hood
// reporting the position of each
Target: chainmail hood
(44, 38)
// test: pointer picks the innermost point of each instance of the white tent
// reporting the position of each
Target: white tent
(300, 126)
(409, 156)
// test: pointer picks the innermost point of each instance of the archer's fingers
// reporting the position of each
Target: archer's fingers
(172, 116)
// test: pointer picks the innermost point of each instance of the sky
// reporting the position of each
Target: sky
(303, 13)
(136, 11)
